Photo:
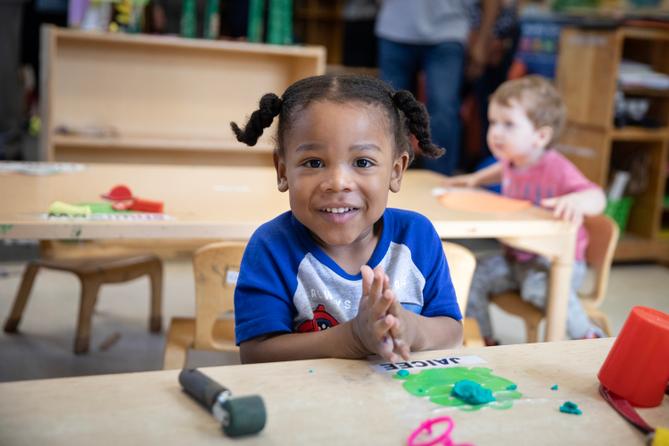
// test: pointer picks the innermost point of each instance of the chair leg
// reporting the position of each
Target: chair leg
(14, 318)
(532, 330)
(156, 313)
(89, 295)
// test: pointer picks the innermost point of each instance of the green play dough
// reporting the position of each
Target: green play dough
(438, 383)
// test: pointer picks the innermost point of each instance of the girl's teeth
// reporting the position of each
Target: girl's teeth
(337, 210)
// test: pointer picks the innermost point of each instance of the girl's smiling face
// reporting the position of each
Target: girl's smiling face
(338, 165)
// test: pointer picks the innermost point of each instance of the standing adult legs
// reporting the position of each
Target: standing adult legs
(443, 66)
(399, 64)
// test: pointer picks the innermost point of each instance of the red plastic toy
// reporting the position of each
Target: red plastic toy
(124, 201)
(117, 193)
(637, 367)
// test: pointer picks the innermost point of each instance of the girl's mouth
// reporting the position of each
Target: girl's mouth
(339, 215)
(338, 210)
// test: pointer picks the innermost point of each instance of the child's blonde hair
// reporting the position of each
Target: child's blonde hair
(539, 98)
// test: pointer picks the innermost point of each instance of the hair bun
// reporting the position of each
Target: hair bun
(271, 103)
(403, 98)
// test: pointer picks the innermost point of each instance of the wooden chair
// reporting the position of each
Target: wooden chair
(215, 268)
(603, 234)
(462, 263)
(93, 273)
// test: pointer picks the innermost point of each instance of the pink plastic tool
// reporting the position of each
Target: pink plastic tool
(426, 428)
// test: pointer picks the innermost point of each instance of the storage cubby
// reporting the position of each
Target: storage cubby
(599, 143)
(159, 99)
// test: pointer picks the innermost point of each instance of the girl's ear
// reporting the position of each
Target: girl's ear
(544, 135)
(280, 167)
(399, 167)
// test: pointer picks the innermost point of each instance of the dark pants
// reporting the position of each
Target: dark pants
(442, 64)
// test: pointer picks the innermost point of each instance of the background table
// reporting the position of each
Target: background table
(328, 401)
(231, 202)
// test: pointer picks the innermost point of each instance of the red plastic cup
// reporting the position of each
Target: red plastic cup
(637, 367)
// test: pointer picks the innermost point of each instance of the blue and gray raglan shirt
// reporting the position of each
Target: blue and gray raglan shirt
(287, 283)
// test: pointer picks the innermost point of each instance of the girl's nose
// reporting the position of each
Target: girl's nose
(338, 179)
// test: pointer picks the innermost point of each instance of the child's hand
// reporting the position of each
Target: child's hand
(372, 324)
(468, 180)
(566, 207)
(402, 346)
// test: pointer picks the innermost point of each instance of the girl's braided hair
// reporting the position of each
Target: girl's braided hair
(413, 118)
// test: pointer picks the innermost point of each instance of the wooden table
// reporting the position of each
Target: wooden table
(231, 202)
(327, 401)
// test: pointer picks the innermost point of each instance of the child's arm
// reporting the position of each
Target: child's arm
(575, 205)
(335, 342)
(488, 175)
(366, 334)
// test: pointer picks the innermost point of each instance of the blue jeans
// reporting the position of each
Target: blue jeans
(399, 63)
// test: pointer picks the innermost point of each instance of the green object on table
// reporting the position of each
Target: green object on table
(619, 210)
(188, 18)
(61, 208)
(403, 373)
(256, 21)
(570, 408)
(103, 208)
(554, 387)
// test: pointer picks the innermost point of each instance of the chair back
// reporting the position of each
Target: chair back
(215, 268)
(603, 237)
(461, 263)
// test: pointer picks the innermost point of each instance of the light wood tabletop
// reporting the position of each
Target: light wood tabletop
(231, 202)
(328, 401)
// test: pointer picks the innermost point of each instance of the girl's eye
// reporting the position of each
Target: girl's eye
(314, 164)
(364, 163)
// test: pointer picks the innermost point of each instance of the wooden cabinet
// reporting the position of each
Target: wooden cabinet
(158, 99)
(587, 76)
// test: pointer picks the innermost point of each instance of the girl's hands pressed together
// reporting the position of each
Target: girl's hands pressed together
(374, 322)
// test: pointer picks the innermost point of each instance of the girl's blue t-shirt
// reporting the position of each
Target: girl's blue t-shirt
(287, 283)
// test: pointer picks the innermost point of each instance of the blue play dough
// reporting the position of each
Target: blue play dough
(472, 392)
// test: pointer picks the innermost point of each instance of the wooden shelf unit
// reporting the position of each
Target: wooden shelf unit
(168, 100)
(587, 76)
(320, 22)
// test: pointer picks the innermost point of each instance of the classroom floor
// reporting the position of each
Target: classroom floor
(121, 341)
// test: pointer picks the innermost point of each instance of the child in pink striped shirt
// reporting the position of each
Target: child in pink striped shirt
(526, 117)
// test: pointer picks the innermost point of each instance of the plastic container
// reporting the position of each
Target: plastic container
(619, 211)
(637, 367)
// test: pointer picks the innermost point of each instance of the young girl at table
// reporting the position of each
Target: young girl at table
(526, 116)
(340, 275)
